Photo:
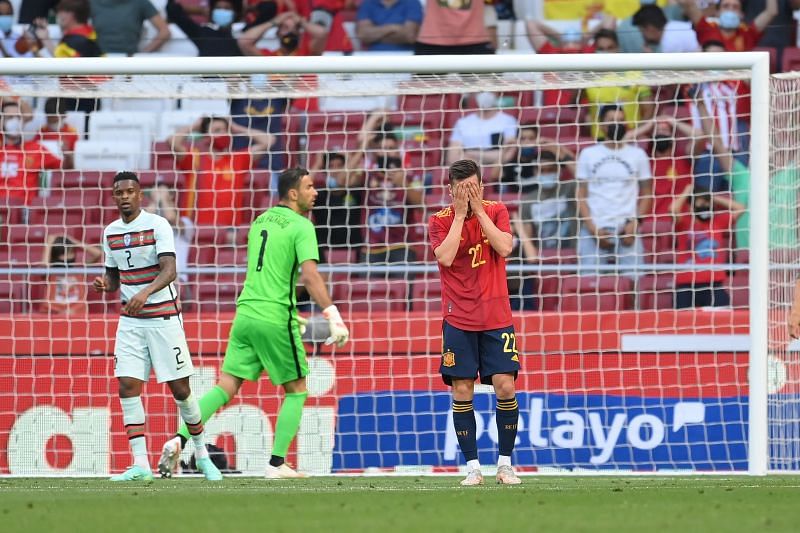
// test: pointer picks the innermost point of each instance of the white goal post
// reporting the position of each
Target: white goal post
(336, 449)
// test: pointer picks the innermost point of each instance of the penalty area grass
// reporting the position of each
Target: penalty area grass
(387, 504)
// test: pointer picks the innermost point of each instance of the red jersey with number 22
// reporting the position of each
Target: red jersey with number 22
(474, 287)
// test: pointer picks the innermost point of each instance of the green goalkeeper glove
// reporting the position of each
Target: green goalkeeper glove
(338, 331)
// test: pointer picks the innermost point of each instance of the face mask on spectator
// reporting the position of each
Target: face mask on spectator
(221, 142)
(6, 21)
(548, 180)
(222, 17)
(290, 41)
(729, 20)
(12, 127)
(528, 153)
(616, 131)
(703, 212)
(485, 100)
(663, 143)
(331, 182)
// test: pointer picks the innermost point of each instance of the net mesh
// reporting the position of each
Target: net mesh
(614, 376)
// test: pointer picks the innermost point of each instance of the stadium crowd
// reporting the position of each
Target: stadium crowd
(606, 184)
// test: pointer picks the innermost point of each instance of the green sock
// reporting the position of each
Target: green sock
(209, 404)
(288, 422)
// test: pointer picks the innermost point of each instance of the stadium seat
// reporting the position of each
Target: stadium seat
(12, 297)
(791, 59)
(170, 121)
(126, 126)
(96, 155)
(657, 238)
(89, 179)
(596, 293)
(656, 291)
(340, 255)
(426, 294)
(739, 289)
(229, 256)
(205, 97)
(550, 115)
(65, 211)
(773, 56)
(218, 293)
(428, 102)
(371, 295)
(27, 234)
(345, 123)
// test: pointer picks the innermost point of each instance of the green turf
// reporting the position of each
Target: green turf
(384, 504)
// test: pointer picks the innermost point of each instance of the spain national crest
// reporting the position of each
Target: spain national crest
(127, 239)
(448, 359)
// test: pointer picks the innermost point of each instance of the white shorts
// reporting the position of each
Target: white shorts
(162, 348)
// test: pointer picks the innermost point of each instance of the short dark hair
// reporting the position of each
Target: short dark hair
(9, 103)
(388, 162)
(54, 106)
(334, 156)
(463, 169)
(290, 179)
(605, 33)
(650, 15)
(606, 109)
(60, 246)
(8, 2)
(711, 42)
(205, 124)
(547, 157)
(79, 8)
(126, 175)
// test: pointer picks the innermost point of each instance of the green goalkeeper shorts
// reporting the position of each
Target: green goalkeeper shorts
(255, 346)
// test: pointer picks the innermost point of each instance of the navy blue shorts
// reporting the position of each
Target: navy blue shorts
(468, 354)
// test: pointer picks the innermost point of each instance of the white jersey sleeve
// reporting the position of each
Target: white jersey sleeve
(165, 238)
(110, 262)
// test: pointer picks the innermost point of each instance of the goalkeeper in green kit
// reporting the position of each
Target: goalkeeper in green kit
(265, 335)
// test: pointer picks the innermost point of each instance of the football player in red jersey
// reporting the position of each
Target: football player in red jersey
(471, 240)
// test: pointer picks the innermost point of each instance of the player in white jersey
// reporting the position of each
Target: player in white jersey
(140, 261)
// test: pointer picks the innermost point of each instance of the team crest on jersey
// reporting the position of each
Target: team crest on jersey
(448, 359)
(126, 239)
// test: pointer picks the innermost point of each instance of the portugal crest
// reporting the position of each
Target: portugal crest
(127, 239)
(448, 359)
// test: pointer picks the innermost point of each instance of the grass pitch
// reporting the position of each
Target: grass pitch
(387, 504)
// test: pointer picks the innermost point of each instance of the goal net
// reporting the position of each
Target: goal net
(630, 279)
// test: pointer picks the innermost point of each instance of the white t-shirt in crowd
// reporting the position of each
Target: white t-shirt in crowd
(679, 36)
(183, 242)
(472, 131)
(612, 178)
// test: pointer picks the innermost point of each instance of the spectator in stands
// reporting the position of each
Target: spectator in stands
(378, 141)
(56, 129)
(703, 237)
(730, 28)
(521, 173)
(219, 176)
(453, 27)
(161, 200)
(650, 31)
(780, 32)
(66, 293)
(614, 191)
(78, 37)
(725, 103)
(388, 25)
(339, 206)
(391, 199)
(670, 163)
(635, 100)
(119, 25)
(297, 37)
(546, 40)
(547, 213)
(12, 42)
(484, 136)
(30, 10)
(214, 38)
(21, 160)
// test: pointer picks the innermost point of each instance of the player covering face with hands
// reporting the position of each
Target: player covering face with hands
(471, 240)
(265, 335)
(140, 262)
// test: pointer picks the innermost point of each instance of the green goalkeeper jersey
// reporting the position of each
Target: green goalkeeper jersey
(279, 241)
